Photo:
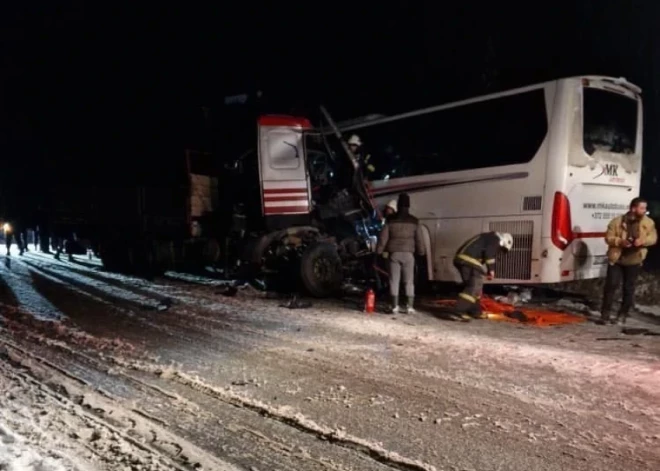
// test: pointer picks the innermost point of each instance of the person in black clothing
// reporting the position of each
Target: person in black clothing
(475, 260)
(62, 245)
(60, 237)
(44, 230)
(365, 160)
(14, 233)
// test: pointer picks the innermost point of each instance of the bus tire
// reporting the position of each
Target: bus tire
(321, 270)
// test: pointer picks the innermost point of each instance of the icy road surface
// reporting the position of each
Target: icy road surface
(105, 372)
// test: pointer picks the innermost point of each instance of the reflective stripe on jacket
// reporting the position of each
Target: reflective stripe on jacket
(479, 252)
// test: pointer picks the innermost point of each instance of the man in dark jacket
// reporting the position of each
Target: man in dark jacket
(475, 260)
(14, 233)
(400, 239)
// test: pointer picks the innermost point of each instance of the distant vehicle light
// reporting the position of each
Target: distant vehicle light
(6, 227)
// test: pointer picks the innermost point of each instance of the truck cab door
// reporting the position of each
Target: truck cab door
(285, 185)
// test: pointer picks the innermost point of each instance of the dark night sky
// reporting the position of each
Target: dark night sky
(94, 88)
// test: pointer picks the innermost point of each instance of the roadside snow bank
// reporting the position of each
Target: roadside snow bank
(647, 289)
(17, 455)
(19, 282)
(653, 311)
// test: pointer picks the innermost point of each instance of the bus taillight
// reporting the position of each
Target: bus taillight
(562, 232)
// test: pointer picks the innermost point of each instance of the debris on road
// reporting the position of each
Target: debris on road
(500, 311)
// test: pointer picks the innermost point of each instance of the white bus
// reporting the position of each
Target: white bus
(549, 163)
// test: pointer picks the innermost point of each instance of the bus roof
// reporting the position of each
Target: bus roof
(360, 120)
(621, 81)
(370, 120)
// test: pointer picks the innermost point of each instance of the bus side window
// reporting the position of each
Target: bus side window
(502, 131)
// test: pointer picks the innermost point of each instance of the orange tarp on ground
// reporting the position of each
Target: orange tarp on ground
(503, 312)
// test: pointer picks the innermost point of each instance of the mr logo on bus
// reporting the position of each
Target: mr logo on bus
(609, 170)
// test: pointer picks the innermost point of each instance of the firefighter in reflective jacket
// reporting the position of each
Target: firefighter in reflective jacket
(474, 260)
(368, 168)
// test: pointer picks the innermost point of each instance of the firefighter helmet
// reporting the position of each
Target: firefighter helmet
(392, 204)
(506, 240)
(354, 140)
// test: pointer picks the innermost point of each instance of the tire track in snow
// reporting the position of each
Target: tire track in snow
(138, 286)
(99, 288)
(291, 417)
(78, 290)
(289, 450)
(175, 324)
(142, 434)
(19, 280)
(206, 305)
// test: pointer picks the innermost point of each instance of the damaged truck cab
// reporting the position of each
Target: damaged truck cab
(292, 212)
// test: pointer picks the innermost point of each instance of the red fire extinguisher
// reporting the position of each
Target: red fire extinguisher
(369, 301)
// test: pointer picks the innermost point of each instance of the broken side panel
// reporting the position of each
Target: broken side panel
(282, 165)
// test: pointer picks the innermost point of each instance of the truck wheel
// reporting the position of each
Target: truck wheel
(320, 270)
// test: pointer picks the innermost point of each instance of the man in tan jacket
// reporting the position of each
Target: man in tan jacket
(627, 238)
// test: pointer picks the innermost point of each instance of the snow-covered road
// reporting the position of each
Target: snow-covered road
(103, 371)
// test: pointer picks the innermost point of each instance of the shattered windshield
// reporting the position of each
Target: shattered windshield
(326, 164)
(610, 122)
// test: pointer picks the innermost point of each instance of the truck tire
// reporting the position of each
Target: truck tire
(321, 270)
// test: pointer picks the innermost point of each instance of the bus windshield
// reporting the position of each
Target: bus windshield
(610, 122)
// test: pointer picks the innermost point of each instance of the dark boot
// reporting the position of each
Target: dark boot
(477, 313)
(462, 308)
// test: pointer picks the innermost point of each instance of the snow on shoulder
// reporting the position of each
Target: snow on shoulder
(17, 455)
